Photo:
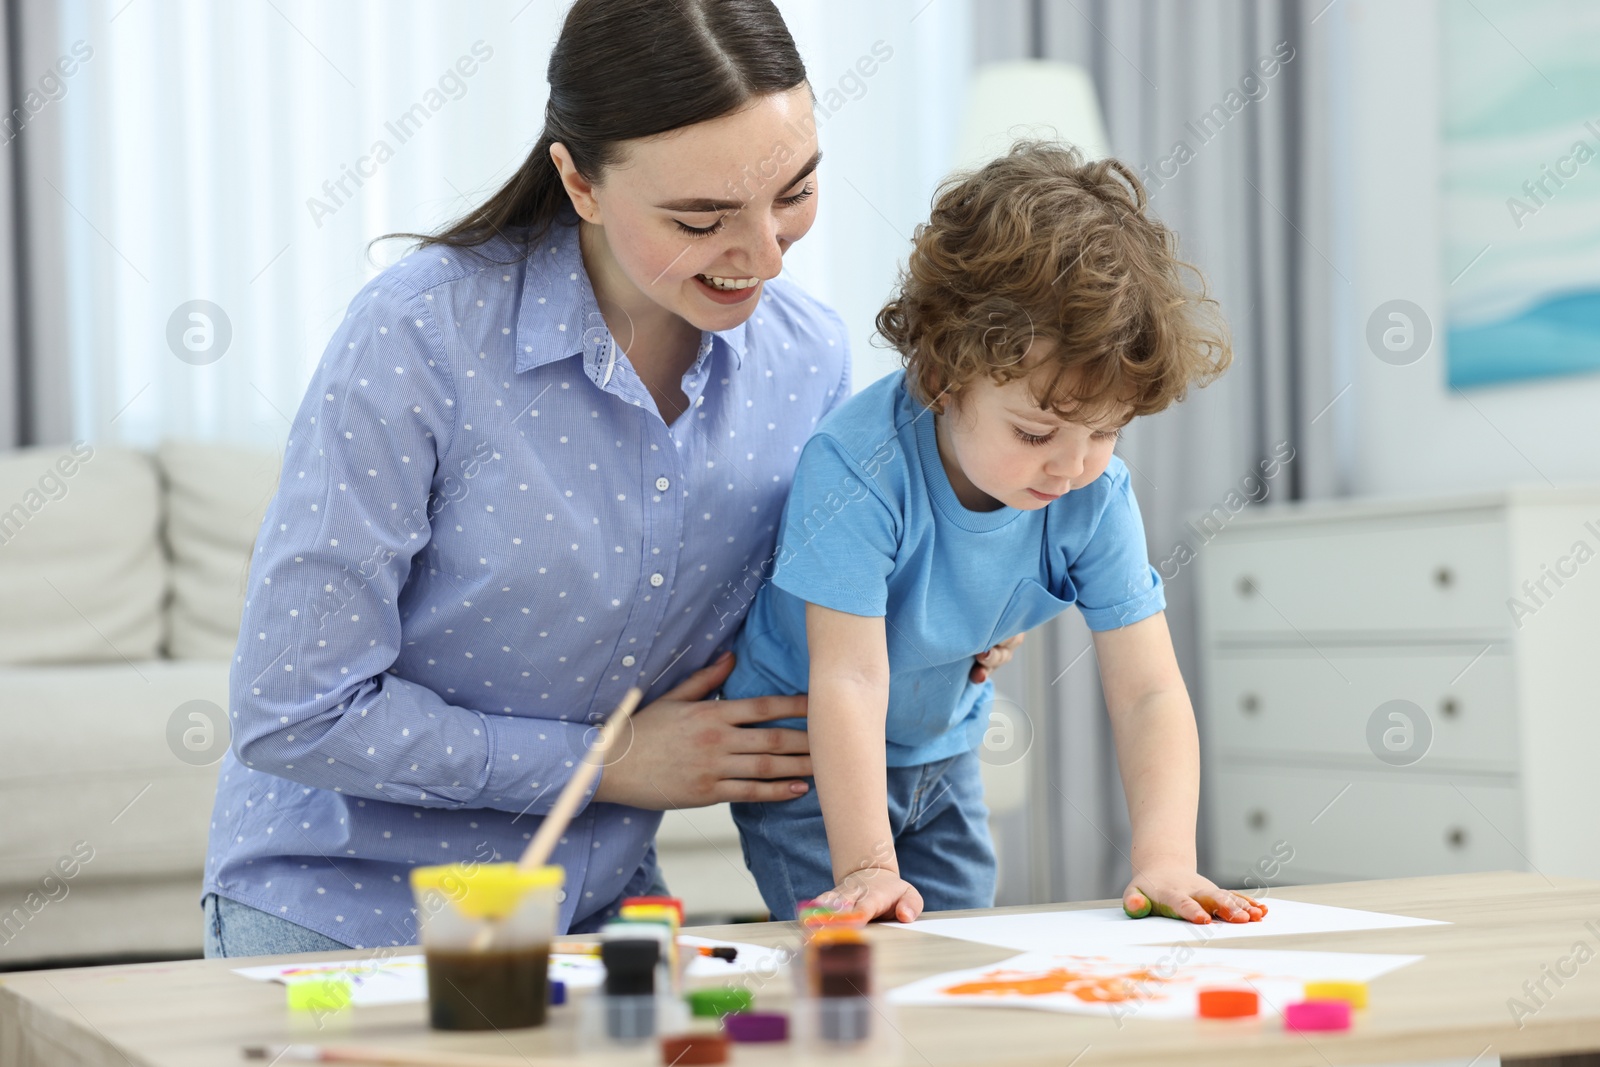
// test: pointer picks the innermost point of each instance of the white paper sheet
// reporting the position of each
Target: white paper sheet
(404, 979)
(384, 980)
(1144, 982)
(1072, 931)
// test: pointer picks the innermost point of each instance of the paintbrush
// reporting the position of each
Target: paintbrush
(394, 1057)
(566, 805)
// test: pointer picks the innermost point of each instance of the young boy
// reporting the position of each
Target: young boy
(966, 500)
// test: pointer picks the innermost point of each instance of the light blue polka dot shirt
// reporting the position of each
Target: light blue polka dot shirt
(484, 533)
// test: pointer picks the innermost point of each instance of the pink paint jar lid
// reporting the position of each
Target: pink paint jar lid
(1317, 1015)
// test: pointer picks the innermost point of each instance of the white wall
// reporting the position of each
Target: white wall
(1411, 432)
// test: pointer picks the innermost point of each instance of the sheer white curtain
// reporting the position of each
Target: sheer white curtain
(203, 161)
(244, 154)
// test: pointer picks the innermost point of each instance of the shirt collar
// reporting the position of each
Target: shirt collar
(559, 316)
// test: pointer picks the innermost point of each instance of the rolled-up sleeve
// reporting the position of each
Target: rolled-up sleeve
(314, 694)
(1115, 582)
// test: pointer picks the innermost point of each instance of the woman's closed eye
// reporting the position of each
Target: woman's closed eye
(701, 231)
(783, 201)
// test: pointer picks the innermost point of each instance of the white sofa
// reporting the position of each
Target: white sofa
(121, 585)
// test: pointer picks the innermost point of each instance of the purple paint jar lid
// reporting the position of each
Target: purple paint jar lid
(754, 1026)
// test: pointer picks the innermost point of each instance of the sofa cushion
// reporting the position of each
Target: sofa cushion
(216, 497)
(82, 573)
(83, 923)
(88, 756)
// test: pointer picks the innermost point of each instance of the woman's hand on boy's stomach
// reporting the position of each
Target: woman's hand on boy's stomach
(986, 663)
(877, 891)
(685, 751)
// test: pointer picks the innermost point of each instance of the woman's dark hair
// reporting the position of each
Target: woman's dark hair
(624, 69)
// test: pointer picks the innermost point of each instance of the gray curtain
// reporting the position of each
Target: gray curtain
(1247, 195)
(14, 370)
(35, 372)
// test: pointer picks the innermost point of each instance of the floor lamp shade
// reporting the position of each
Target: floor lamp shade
(1029, 98)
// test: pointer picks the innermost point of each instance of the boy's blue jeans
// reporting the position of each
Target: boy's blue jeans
(941, 839)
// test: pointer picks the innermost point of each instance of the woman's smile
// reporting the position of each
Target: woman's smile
(728, 290)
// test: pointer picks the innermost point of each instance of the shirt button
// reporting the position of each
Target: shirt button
(561, 896)
(628, 661)
(656, 579)
(662, 485)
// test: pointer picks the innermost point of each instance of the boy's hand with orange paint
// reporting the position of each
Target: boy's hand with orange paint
(1179, 893)
(877, 891)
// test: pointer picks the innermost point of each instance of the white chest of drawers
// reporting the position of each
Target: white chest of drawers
(1395, 688)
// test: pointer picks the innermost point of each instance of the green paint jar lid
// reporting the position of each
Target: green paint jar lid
(719, 1002)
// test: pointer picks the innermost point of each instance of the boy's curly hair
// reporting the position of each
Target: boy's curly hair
(1041, 244)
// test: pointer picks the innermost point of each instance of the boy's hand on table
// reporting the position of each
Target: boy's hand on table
(877, 891)
(986, 663)
(1179, 893)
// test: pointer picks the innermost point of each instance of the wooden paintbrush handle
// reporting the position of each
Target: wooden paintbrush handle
(392, 1056)
(555, 823)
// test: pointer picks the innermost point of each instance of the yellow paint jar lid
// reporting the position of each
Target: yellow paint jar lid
(1354, 993)
(486, 890)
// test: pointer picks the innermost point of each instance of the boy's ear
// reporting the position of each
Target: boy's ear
(940, 405)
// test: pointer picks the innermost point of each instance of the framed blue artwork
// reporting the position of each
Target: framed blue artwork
(1520, 189)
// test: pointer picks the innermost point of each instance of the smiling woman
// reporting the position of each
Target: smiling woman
(663, 261)
(608, 337)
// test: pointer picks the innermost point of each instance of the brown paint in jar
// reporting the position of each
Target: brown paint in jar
(498, 989)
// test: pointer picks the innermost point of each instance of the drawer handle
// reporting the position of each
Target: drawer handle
(1247, 585)
(1444, 577)
(1448, 707)
(1456, 838)
(1249, 703)
(1257, 820)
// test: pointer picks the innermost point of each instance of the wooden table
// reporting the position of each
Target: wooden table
(1509, 928)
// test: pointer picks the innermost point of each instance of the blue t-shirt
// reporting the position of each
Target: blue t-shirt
(872, 527)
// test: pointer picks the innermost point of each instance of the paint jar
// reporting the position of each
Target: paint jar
(319, 1003)
(486, 932)
(836, 1016)
(846, 1030)
(635, 1005)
